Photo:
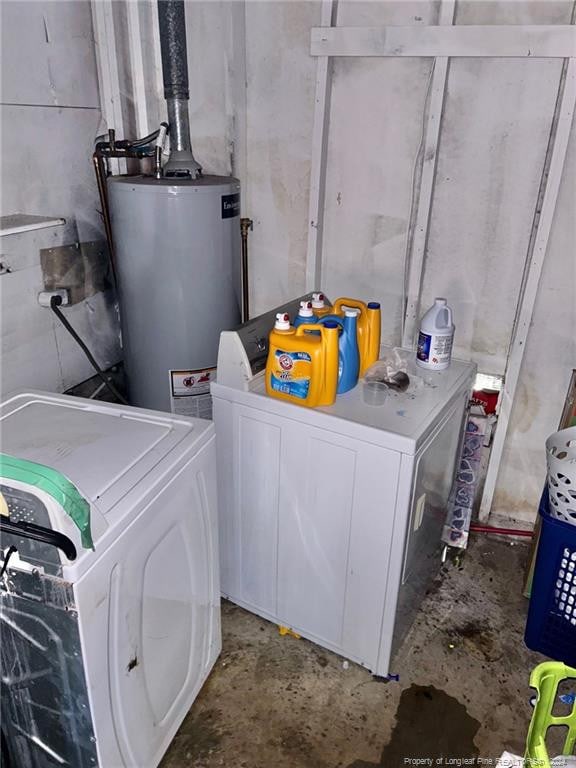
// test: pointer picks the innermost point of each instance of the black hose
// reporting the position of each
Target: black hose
(102, 143)
(146, 140)
(55, 302)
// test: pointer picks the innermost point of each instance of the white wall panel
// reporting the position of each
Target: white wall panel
(49, 73)
(28, 350)
(376, 123)
(513, 11)
(495, 128)
(549, 359)
(48, 54)
(280, 77)
(212, 71)
(47, 165)
(493, 139)
(372, 147)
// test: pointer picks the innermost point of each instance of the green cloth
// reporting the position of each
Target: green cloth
(56, 485)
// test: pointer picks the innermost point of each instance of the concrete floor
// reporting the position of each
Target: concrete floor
(279, 702)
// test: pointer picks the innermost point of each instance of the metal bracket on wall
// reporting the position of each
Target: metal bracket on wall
(82, 268)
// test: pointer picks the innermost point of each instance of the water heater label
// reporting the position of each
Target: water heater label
(230, 205)
(190, 392)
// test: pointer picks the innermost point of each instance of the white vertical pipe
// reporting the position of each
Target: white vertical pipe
(156, 55)
(137, 68)
(108, 73)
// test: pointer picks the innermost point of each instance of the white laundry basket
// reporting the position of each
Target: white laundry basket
(561, 460)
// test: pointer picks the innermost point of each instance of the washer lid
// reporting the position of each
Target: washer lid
(104, 449)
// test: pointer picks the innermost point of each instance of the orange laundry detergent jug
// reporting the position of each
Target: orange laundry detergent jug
(302, 368)
(368, 329)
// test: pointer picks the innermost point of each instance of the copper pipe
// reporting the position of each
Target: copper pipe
(113, 148)
(245, 226)
(100, 170)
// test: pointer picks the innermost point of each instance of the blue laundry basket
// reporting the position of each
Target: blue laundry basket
(551, 624)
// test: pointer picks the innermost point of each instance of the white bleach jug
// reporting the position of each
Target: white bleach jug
(436, 337)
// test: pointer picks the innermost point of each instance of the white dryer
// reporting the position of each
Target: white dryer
(103, 655)
(331, 518)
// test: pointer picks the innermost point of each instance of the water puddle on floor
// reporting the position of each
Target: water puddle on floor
(429, 724)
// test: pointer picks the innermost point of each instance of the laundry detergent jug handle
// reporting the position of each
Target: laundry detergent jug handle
(306, 327)
(353, 303)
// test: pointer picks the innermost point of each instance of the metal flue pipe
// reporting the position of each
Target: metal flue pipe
(172, 23)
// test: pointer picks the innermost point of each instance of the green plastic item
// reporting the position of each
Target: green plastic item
(56, 485)
(545, 678)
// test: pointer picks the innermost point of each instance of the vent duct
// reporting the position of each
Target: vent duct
(172, 22)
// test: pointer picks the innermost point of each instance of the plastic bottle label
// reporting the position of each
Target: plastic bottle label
(291, 373)
(433, 348)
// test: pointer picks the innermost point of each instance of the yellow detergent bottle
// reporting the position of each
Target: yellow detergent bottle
(302, 368)
(369, 324)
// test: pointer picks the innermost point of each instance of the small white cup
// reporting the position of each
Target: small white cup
(374, 392)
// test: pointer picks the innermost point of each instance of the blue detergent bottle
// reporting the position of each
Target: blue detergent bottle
(348, 352)
(305, 314)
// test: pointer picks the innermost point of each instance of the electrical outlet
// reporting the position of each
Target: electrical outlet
(45, 296)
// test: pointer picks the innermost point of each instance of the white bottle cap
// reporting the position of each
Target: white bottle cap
(351, 312)
(282, 322)
(440, 302)
(318, 301)
(305, 309)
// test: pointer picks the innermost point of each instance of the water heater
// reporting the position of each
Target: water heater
(177, 254)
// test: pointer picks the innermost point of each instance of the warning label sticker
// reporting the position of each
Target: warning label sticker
(190, 392)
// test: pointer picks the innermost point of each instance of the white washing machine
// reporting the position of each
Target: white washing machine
(330, 518)
(103, 654)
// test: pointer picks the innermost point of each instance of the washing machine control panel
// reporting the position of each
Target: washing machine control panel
(242, 353)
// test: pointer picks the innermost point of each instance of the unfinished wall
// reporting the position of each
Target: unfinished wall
(376, 123)
(548, 362)
(252, 84)
(280, 78)
(50, 116)
(216, 73)
(251, 107)
(494, 133)
(495, 128)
